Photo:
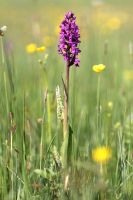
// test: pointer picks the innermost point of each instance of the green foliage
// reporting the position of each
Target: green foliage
(35, 161)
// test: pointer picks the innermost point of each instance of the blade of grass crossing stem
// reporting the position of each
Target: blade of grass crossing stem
(49, 136)
(24, 169)
(49, 118)
(9, 69)
(2, 52)
(42, 130)
(69, 147)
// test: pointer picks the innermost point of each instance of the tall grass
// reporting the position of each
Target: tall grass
(31, 136)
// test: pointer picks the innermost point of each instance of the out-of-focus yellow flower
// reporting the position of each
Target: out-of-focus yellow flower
(57, 30)
(106, 22)
(98, 68)
(41, 49)
(101, 154)
(48, 41)
(114, 23)
(57, 23)
(110, 104)
(31, 48)
(128, 74)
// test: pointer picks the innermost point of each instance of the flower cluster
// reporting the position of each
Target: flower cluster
(69, 40)
(32, 48)
(98, 68)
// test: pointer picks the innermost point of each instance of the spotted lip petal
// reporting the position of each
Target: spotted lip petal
(69, 40)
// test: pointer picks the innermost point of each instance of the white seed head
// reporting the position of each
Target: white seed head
(3, 30)
(60, 107)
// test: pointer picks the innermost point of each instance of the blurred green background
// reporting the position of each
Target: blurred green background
(106, 29)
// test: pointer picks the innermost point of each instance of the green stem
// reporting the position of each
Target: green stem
(66, 101)
(41, 141)
(6, 95)
(49, 136)
(2, 51)
(98, 107)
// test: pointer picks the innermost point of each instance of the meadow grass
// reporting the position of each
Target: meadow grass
(100, 105)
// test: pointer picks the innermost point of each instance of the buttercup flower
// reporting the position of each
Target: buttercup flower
(128, 75)
(41, 49)
(69, 40)
(101, 154)
(98, 68)
(57, 30)
(113, 23)
(31, 48)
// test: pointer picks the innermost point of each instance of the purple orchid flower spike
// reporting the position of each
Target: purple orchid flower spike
(68, 48)
(69, 40)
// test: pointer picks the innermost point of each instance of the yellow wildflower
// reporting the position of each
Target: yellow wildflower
(57, 30)
(98, 68)
(128, 74)
(31, 48)
(41, 49)
(57, 24)
(101, 154)
(113, 23)
(107, 22)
